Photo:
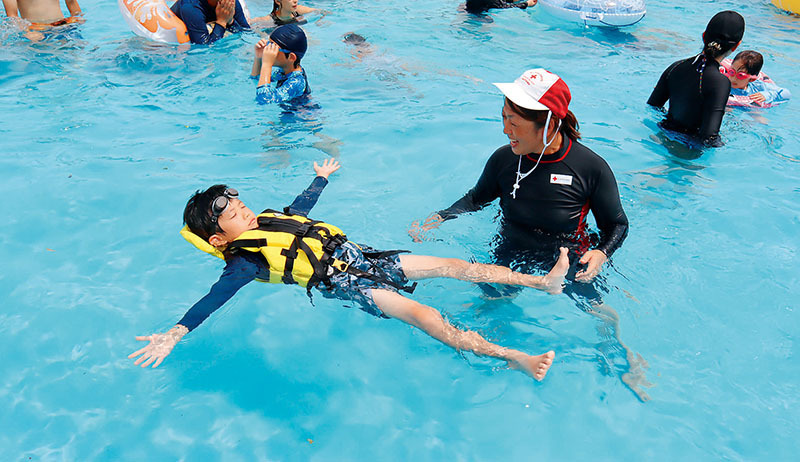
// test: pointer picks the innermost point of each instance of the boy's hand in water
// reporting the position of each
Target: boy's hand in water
(329, 166)
(532, 2)
(594, 260)
(421, 233)
(757, 98)
(160, 346)
(259, 48)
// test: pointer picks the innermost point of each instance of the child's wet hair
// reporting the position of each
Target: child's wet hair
(197, 214)
(354, 39)
(752, 61)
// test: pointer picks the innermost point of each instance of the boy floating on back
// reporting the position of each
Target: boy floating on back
(287, 247)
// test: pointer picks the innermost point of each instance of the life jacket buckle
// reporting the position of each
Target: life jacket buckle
(340, 265)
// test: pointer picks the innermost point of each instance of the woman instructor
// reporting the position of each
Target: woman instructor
(547, 183)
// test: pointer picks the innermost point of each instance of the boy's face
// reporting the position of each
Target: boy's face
(739, 84)
(234, 220)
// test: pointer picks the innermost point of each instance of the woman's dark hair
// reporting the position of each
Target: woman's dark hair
(752, 60)
(197, 214)
(276, 4)
(569, 124)
(723, 32)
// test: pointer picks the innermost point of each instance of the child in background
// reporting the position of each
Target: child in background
(42, 14)
(278, 60)
(750, 86)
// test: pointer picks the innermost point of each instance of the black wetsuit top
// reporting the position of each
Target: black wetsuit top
(480, 6)
(553, 201)
(696, 105)
(279, 22)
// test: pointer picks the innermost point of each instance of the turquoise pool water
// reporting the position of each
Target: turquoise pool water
(105, 136)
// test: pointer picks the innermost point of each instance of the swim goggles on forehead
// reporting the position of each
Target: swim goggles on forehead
(731, 72)
(221, 203)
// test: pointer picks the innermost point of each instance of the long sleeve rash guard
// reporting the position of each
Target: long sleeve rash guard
(244, 267)
(696, 101)
(197, 13)
(554, 199)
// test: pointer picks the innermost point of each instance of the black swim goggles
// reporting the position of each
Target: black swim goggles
(221, 203)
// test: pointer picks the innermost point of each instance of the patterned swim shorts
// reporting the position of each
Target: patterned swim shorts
(348, 287)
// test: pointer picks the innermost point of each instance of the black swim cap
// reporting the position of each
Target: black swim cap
(290, 37)
(726, 27)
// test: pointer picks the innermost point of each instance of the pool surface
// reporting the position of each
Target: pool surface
(105, 136)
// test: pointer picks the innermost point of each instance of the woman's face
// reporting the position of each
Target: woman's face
(523, 135)
(287, 5)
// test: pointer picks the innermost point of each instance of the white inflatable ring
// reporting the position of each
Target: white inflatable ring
(609, 13)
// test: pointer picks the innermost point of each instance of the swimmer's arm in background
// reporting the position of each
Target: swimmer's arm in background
(660, 94)
(304, 202)
(238, 272)
(73, 7)
(12, 11)
(304, 9)
(772, 93)
(715, 100)
(238, 21)
(522, 4)
(194, 18)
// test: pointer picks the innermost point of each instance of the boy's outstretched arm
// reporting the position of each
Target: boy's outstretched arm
(160, 346)
(304, 202)
(238, 272)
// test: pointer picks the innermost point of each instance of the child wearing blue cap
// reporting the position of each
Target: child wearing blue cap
(277, 59)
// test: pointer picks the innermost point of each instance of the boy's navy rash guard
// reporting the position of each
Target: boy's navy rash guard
(546, 204)
(196, 13)
(245, 266)
(481, 6)
(692, 109)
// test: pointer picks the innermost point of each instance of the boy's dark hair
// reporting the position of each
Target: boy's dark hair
(197, 214)
(752, 60)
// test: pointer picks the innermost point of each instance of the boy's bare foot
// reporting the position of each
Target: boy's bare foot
(554, 280)
(535, 366)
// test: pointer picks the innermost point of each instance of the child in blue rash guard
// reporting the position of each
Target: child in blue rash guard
(750, 86)
(278, 60)
(290, 248)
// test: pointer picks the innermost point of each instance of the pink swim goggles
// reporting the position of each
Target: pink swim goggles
(731, 72)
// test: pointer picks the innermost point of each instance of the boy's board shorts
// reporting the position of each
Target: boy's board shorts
(344, 286)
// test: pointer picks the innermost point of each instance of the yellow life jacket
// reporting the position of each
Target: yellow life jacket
(297, 249)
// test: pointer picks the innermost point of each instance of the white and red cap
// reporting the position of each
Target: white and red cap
(539, 90)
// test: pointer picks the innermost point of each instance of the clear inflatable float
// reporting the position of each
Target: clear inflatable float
(604, 13)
